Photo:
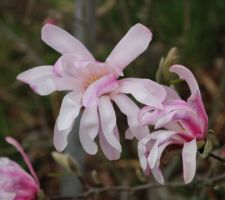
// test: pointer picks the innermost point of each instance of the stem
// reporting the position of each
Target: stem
(212, 155)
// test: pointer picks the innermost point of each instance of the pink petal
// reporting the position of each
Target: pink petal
(63, 42)
(44, 81)
(142, 155)
(134, 43)
(189, 160)
(144, 91)
(131, 110)
(195, 100)
(157, 173)
(60, 138)
(129, 135)
(26, 159)
(178, 115)
(110, 152)
(153, 155)
(185, 74)
(14, 180)
(69, 110)
(7, 195)
(101, 86)
(89, 127)
(108, 122)
(68, 64)
(171, 94)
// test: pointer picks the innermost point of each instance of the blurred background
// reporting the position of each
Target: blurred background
(197, 28)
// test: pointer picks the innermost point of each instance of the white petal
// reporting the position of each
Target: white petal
(110, 152)
(89, 128)
(145, 91)
(63, 42)
(44, 81)
(131, 110)
(69, 110)
(61, 137)
(189, 160)
(108, 121)
(134, 43)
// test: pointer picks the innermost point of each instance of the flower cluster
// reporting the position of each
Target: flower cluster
(93, 88)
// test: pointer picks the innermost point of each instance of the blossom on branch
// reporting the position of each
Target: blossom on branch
(179, 123)
(93, 85)
(15, 182)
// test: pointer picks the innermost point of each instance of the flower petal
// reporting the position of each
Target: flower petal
(108, 122)
(153, 155)
(26, 159)
(44, 81)
(131, 110)
(185, 74)
(171, 94)
(195, 100)
(7, 195)
(110, 152)
(142, 155)
(63, 42)
(157, 173)
(189, 160)
(101, 86)
(89, 128)
(69, 110)
(134, 43)
(68, 64)
(60, 138)
(145, 91)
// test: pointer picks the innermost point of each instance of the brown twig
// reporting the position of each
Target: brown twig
(212, 155)
(95, 190)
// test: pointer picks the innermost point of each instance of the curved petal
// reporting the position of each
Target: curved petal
(134, 43)
(171, 94)
(156, 171)
(185, 74)
(110, 152)
(89, 128)
(195, 100)
(142, 155)
(44, 81)
(189, 160)
(60, 138)
(101, 86)
(131, 110)
(145, 91)
(69, 110)
(63, 42)
(26, 159)
(108, 122)
(153, 155)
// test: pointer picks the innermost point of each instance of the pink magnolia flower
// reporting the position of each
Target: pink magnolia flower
(179, 123)
(15, 183)
(94, 85)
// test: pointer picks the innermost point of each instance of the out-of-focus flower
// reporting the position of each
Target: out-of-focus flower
(94, 86)
(180, 123)
(15, 183)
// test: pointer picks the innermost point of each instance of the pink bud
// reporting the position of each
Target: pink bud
(15, 182)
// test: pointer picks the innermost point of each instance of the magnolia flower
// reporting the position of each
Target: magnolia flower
(15, 183)
(94, 85)
(179, 123)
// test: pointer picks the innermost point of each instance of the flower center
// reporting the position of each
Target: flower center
(91, 80)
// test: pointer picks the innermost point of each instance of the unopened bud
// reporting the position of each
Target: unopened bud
(67, 162)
